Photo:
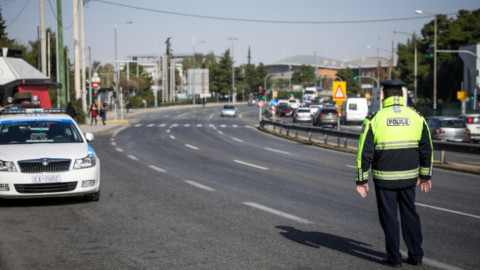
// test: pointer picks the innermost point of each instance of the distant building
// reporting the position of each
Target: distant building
(375, 67)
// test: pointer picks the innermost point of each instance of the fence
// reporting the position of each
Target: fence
(342, 138)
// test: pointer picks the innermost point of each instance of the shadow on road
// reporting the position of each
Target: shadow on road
(335, 242)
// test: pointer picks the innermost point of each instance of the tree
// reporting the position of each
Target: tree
(305, 76)
(221, 75)
(452, 33)
(353, 86)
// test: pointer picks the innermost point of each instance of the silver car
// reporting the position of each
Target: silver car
(302, 115)
(325, 116)
(446, 128)
(229, 110)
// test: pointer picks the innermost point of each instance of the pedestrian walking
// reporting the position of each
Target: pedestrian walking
(395, 144)
(93, 113)
(103, 113)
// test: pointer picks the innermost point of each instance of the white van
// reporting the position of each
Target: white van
(354, 110)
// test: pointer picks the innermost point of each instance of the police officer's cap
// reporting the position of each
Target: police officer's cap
(391, 84)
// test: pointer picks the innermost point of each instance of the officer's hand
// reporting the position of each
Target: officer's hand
(362, 190)
(425, 185)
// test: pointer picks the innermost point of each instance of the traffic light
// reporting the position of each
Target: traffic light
(355, 77)
(261, 92)
(431, 50)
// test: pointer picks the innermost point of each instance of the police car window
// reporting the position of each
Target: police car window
(39, 132)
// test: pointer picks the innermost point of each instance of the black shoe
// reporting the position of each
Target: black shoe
(413, 262)
(391, 264)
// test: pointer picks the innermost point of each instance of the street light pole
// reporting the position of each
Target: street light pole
(116, 68)
(234, 91)
(434, 57)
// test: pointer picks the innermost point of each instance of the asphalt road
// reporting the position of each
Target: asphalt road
(187, 189)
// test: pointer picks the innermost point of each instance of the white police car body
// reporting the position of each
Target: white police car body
(46, 155)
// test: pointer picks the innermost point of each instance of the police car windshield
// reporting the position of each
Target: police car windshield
(28, 132)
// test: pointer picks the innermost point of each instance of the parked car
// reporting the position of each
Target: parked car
(326, 116)
(44, 154)
(283, 109)
(229, 110)
(473, 124)
(302, 115)
(447, 128)
(354, 110)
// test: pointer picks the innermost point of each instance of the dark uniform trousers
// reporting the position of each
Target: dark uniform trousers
(389, 202)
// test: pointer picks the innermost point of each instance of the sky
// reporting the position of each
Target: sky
(272, 29)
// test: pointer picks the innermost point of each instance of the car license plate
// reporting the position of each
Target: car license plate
(46, 178)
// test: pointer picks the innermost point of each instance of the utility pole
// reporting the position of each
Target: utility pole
(83, 79)
(43, 42)
(60, 57)
(76, 50)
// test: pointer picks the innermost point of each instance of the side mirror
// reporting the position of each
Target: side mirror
(89, 136)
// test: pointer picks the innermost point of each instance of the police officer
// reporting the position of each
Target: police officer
(395, 143)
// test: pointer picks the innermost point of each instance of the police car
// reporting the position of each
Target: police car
(44, 154)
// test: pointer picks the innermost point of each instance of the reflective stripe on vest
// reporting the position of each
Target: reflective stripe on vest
(396, 175)
(396, 145)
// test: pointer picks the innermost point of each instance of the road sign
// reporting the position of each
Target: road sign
(95, 85)
(260, 103)
(339, 91)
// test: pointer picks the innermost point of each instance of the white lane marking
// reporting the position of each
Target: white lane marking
(151, 125)
(237, 139)
(220, 132)
(277, 151)
(112, 139)
(211, 125)
(199, 125)
(186, 125)
(156, 168)
(191, 146)
(162, 125)
(138, 125)
(119, 149)
(172, 137)
(351, 166)
(132, 157)
(199, 185)
(174, 125)
(223, 126)
(278, 213)
(113, 143)
(235, 126)
(211, 116)
(447, 210)
(251, 165)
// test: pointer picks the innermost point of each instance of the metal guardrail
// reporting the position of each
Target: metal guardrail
(345, 135)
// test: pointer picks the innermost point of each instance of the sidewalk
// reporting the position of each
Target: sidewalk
(113, 122)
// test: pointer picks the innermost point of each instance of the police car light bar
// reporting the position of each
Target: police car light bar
(32, 110)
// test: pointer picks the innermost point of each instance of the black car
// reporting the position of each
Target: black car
(284, 109)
